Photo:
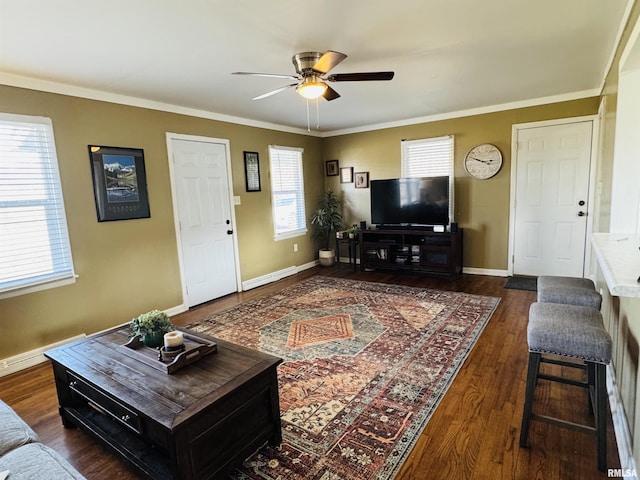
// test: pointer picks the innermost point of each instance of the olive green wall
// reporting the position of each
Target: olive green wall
(481, 206)
(128, 267)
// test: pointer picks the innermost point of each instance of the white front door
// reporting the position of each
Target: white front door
(206, 231)
(551, 199)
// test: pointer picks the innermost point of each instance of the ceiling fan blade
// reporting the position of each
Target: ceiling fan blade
(330, 94)
(360, 77)
(272, 75)
(273, 92)
(328, 60)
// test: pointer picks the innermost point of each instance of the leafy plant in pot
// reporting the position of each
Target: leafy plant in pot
(151, 327)
(327, 220)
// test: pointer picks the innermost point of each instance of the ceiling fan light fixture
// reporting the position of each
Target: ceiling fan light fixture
(311, 88)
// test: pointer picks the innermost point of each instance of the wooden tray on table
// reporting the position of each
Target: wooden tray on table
(195, 348)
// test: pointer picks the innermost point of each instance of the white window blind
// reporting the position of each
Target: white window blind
(430, 157)
(287, 192)
(34, 241)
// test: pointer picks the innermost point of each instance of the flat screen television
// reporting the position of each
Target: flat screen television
(410, 201)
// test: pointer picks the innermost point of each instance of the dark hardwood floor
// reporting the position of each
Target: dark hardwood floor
(472, 435)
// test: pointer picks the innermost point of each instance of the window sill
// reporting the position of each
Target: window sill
(39, 287)
(284, 236)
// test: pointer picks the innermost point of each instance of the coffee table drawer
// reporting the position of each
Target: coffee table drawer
(105, 403)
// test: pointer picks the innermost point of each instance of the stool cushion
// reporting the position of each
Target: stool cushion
(568, 290)
(568, 330)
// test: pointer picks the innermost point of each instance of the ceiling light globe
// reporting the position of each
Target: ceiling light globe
(312, 90)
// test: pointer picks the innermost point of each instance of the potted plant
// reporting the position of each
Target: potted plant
(151, 327)
(352, 231)
(327, 219)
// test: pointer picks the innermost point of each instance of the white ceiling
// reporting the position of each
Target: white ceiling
(448, 55)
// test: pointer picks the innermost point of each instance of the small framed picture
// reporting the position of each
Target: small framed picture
(346, 175)
(362, 179)
(332, 168)
(252, 171)
(119, 183)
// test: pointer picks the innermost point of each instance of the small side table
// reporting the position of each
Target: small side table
(353, 249)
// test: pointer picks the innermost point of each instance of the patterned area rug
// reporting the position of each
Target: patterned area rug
(365, 365)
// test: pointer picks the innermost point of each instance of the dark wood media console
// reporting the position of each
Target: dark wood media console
(412, 250)
(198, 423)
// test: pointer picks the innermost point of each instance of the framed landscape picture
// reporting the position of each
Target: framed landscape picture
(119, 183)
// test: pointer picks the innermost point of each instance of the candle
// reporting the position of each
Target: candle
(172, 340)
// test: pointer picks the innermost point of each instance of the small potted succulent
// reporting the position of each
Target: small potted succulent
(353, 231)
(151, 327)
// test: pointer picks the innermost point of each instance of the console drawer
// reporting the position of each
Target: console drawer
(106, 404)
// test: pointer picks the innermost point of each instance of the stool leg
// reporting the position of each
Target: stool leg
(591, 380)
(601, 415)
(532, 376)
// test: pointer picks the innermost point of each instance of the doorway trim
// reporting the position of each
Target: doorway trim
(174, 200)
(593, 168)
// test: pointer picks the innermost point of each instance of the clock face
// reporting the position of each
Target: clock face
(483, 161)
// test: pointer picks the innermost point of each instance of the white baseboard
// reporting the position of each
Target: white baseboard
(485, 271)
(347, 260)
(620, 423)
(31, 358)
(307, 266)
(275, 276)
(177, 309)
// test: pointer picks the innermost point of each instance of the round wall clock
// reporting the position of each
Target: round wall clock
(483, 161)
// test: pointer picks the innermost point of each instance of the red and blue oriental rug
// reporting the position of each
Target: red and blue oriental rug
(365, 366)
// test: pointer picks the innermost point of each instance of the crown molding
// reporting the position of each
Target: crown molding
(20, 81)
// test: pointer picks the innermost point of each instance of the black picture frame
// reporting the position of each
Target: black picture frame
(346, 175)
(119, 183)
(362, 179)
(332, 168)
(252, 171)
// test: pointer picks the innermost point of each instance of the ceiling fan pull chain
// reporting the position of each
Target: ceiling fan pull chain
(317, 113)
(308, 124)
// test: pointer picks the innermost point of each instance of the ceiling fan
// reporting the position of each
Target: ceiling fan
(312, 78)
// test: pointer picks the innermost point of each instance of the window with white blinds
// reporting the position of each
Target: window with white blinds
(287, 192)
(34, 241)
(429, 157)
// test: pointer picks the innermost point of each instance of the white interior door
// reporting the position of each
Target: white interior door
(551, 199)
(201, 187)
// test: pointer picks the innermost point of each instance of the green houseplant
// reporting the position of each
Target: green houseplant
(151, 326)
(352, 231)
(327, 219)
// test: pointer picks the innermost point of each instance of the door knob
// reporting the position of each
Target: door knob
(229, 232)
(582, 214)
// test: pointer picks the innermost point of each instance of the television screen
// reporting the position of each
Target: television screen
(410, 201)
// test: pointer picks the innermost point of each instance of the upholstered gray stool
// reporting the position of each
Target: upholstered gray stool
(568, 290)
(575, 332)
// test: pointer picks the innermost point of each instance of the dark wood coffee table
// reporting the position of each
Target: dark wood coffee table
(199, 422)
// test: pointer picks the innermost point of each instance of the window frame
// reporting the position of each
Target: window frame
(51, 202)
(301, 226)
